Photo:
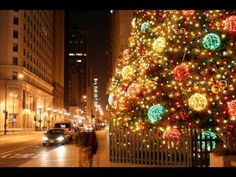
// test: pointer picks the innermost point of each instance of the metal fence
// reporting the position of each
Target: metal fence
(149, 148)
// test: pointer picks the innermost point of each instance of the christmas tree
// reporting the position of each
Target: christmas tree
(178, 71)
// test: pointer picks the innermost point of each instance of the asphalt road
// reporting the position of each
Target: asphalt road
(17, 149)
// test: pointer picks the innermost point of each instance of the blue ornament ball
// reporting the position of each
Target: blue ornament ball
(145, 26)
(211, 41)
(155, 113)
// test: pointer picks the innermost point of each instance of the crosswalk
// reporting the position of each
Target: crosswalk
(18, 156)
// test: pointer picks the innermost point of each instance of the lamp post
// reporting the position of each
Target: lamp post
(5, 111)
(40, 117)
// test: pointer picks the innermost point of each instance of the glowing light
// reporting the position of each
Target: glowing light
(159, 44)
(197, 102)
(128, 72)
(181, 72)
(230, 24)
(211, 41)
(155, 113)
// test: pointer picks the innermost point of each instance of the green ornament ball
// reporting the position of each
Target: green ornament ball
(211, 41)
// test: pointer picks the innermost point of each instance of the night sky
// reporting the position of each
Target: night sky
(97, 23)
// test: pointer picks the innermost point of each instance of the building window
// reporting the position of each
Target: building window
(24, 39)
(15, 61)
(24, 26)
(24, 63)
(16, 21)
(15, 47)
(15, 34)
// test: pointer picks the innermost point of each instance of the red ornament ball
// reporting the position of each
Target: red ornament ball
(230, 24)
(232, 107)
(126, 53)
(172, 134)
(181, 72)
(133, 90)
(188, 12)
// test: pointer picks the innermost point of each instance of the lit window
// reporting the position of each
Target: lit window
(71, 54)
(79, 54)
(85, 54)
(81, 42)
(78, 61)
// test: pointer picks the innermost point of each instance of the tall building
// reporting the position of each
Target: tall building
(30, 40)
(58, 60)
(76, 75)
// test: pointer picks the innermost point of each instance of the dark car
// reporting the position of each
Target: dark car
(55, 136)
(67, 126)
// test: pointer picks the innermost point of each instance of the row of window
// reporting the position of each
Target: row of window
(36, 72)
(39, 29)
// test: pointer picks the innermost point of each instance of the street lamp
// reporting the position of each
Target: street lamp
(40, 107)
(13, 114)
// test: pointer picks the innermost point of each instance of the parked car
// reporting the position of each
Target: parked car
(55, 136)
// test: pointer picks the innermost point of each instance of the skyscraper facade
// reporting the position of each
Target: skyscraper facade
(30, 40)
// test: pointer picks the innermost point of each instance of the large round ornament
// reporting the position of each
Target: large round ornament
(133, 90)
(230, 23)
(145, 26)
(211, 41)
(172, 134)
(216, 89)
(181, 72)
(128, 72)
(197, 102)
(188, 12)
(208, 144)
(159, 44)
(155, 113)
(232, 107)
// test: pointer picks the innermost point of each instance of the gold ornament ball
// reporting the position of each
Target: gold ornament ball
(128, 72)
(197, 102)
(159, 44)
(215, 89)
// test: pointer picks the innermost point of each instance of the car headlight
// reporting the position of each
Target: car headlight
(60, 138)
(44, 138)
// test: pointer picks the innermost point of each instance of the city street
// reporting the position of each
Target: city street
(19, 148)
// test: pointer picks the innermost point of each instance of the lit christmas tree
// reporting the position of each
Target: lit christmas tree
(179, 71)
